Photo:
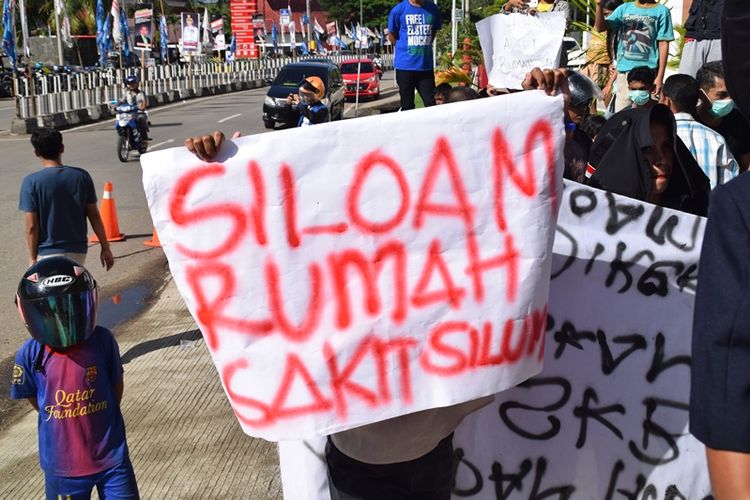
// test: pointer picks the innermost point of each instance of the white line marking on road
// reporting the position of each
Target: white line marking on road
(151, 148)
(229, 118)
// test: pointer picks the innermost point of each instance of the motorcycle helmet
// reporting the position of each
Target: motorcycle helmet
(58, 299)
(314, 84)
(582, 89)
(129, 80)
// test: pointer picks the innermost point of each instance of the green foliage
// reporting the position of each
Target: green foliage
(674, 61)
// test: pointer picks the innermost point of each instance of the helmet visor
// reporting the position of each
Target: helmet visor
(61, 321)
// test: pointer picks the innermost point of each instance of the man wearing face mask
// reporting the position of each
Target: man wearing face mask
(717, 111)
(308, 101)
(641, 87)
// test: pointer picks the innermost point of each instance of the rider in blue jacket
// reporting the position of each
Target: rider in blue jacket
(308, 101)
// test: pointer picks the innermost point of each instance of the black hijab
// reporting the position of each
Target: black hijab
(622, 167)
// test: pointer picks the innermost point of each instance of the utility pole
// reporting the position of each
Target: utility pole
(453, 27)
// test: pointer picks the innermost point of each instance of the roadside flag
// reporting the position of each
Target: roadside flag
(9, 42)
(206, 40)
(125, 33)
(318, 28)
(116, 29)
(163, 38)
(274, 37)
(106, 41)
(63, 30)
(100, 31)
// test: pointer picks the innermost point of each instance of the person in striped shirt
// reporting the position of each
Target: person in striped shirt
(708, 147)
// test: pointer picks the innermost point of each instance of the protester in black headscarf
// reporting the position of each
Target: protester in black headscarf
(638, 154)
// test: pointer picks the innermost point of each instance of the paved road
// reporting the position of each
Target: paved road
(93, 147)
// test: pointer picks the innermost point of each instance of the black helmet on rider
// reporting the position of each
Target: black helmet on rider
(131, 80)
(58, 299)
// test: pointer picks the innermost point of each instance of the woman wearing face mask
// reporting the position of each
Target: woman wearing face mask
(638, 154)
(308, 101)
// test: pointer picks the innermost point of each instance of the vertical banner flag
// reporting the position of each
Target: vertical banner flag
(206, 28)
(125, 33)
(292, 36)
(63, 30)
(389, 278)
(163, 38)
(9, 42)
(116, 29)
(100, 33)
(144, 29)
(318, 28)
(190, 32)
(274, 37)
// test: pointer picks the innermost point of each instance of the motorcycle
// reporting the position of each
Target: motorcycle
(129, 138)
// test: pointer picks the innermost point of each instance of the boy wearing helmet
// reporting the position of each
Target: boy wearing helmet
(308, 101)
(71, 373)
(134, 96)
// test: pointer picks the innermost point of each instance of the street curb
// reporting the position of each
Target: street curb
(100, 112)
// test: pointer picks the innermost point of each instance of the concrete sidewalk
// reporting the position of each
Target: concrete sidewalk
(184, 440)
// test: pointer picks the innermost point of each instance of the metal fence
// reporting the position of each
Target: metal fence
(48, 94)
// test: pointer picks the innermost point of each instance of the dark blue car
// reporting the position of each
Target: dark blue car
(277, 110)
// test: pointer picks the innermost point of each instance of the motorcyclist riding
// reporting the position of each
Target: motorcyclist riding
(134, 96)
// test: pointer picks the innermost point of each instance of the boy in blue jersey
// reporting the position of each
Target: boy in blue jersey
(412, 26)
(642, 31)
(71, 373)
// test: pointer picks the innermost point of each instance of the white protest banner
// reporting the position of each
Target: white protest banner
(367, 271)
(607, 418)
(514, 44)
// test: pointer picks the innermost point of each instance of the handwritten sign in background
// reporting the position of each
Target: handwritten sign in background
(514, 44)
(607, 418)
(355, 271)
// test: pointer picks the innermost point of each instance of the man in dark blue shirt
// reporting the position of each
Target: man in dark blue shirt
(56, 202)
(412, 25)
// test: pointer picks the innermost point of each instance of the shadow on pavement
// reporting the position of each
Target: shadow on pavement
(154, 345)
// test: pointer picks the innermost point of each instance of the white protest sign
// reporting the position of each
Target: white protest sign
(376, 267)
(607, 418)
(514, 44)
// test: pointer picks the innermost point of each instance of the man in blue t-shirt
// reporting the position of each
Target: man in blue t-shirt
(412, 25)
(56, 202)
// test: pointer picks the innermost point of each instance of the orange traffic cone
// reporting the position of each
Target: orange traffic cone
(154, 241)
(108, 213)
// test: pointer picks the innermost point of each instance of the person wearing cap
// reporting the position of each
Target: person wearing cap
(308, 102)
(71, 373)
(56, 202)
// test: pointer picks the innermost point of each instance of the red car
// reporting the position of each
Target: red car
(369, 78)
